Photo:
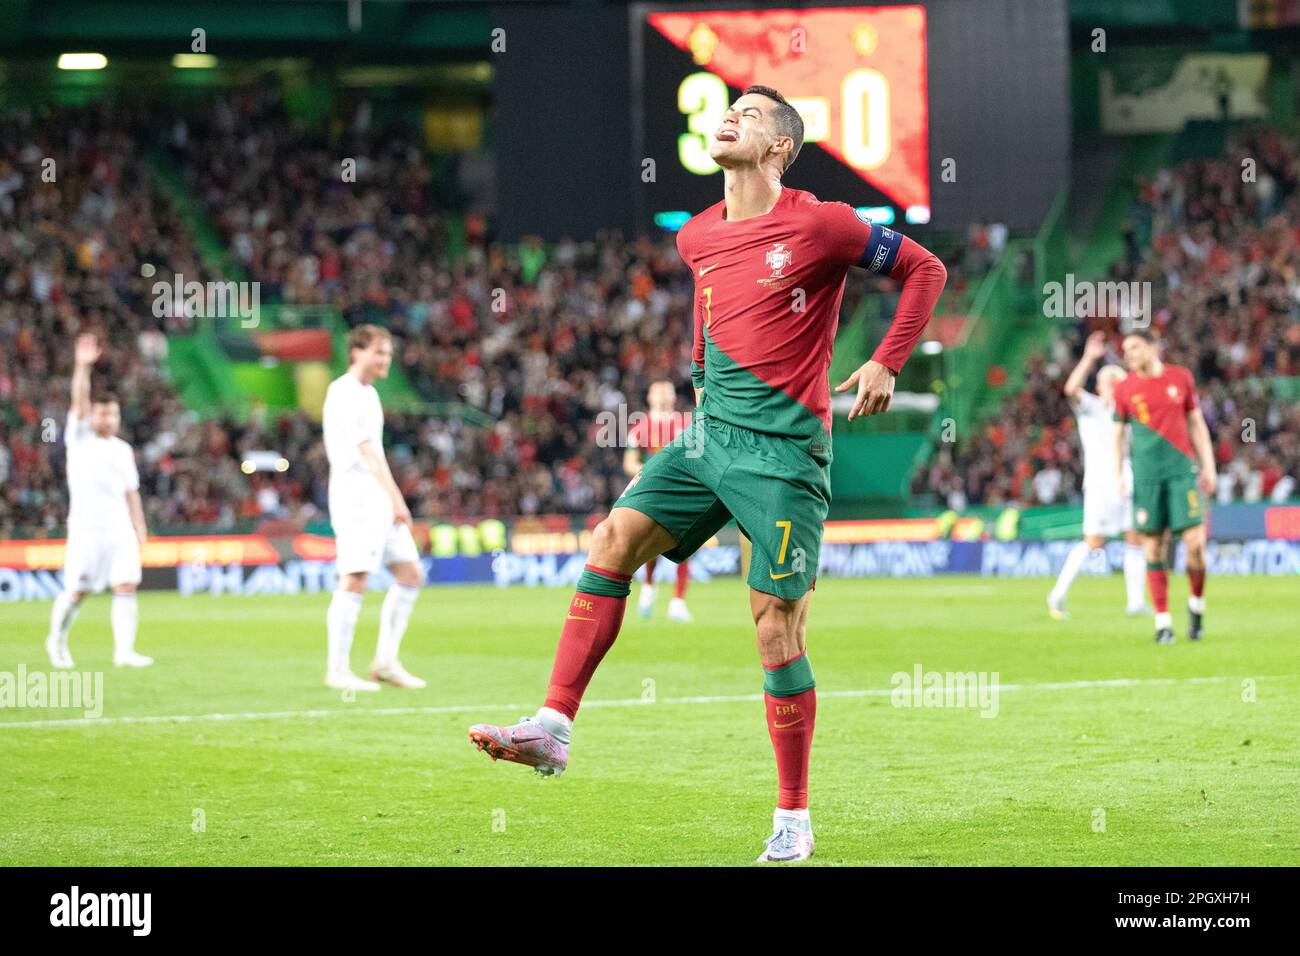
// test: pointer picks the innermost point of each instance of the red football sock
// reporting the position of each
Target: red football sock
(683, 575)
(790, 725)
(1158, 582)
(650, 571)
(1197, 580)
(589, 631)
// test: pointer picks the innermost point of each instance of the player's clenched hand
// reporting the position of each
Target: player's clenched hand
(87, 349)
(1207, 481)
(875, 389)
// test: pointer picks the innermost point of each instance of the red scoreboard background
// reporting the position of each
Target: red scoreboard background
(857, 75)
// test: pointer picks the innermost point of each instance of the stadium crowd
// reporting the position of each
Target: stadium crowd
(538, 341)
(1224, 268)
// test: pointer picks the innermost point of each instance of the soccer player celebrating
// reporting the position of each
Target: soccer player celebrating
(105, 519)
(770, 264)
(652, 433)
(1106, 512)
(1173, 460)
(372, 524)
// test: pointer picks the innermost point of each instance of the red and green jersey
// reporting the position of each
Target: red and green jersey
(1157, 406)
(767, 302)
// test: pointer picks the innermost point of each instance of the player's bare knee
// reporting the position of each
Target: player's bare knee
(776, 624)
(615, 544)
(407, 575)
(124, 589)
(356, 583)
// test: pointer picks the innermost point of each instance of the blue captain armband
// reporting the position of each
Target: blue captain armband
(882, 249)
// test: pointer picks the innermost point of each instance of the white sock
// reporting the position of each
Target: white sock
(1164, 619)
(1196, 604)
(1070, 570)
(1135, 575)
(124, 616)
(62, 616)
(555, 723)
(341, 622)
(393, 617)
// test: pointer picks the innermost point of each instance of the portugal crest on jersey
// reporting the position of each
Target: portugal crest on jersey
(777, 258)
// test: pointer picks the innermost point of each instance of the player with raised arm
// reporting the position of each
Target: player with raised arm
(105, 518)
(1173, 464)
(372, 524)
(660, 426)
(1106, 512)
(770, 264)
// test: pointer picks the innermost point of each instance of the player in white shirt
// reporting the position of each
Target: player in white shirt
(372, 525)
(105, 519)
(1107, 511)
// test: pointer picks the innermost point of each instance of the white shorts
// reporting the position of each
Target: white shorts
(367, 546)
(95, 560)
(1106, 514)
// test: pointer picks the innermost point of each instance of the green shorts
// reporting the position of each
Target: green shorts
(1160, 503)
(713, 472)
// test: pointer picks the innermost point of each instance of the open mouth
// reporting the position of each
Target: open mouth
(727, 135)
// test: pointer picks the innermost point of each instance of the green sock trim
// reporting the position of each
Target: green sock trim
(1155, 566)
(789, 679)
(593, 583)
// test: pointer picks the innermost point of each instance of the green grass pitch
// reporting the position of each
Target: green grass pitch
(1105, 748)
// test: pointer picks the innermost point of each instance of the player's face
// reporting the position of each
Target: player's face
(1138, 353)
(661, 397)
(105, 418)
(743, 138)
(1106, 387)
(377, 357)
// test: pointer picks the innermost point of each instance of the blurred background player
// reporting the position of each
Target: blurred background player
(1106, 511)
(372, 524)
(105, 519)
(758, 448)
(653, 432)
(1173, 462)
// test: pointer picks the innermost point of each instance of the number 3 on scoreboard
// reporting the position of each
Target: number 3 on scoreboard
(703, 98)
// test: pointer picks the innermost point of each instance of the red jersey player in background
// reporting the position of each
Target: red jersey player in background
(659, 427)
(770, 264)
(1173, 464)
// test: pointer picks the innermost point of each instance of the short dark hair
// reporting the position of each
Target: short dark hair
(787, 118)
(104, 398)
(1146, 335)
(363, 335)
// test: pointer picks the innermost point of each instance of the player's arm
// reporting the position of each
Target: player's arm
(1119, 457)
(85, 355)
(1208, 480)
(1093, 349)
(631, 461)
(923, 277)
(378, 466)
(136, 507)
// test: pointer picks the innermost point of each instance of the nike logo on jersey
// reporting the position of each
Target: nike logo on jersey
(705, 270)
(778, 577)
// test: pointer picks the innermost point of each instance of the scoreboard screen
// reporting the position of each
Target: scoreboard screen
(857, 76)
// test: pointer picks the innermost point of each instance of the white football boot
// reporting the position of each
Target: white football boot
(645, 602)
(346, 680)
(131, 659)
(395, 674)
(791, 841)
(59, 656)
(677, 611)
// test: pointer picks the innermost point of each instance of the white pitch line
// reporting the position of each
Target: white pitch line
(625, 702)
